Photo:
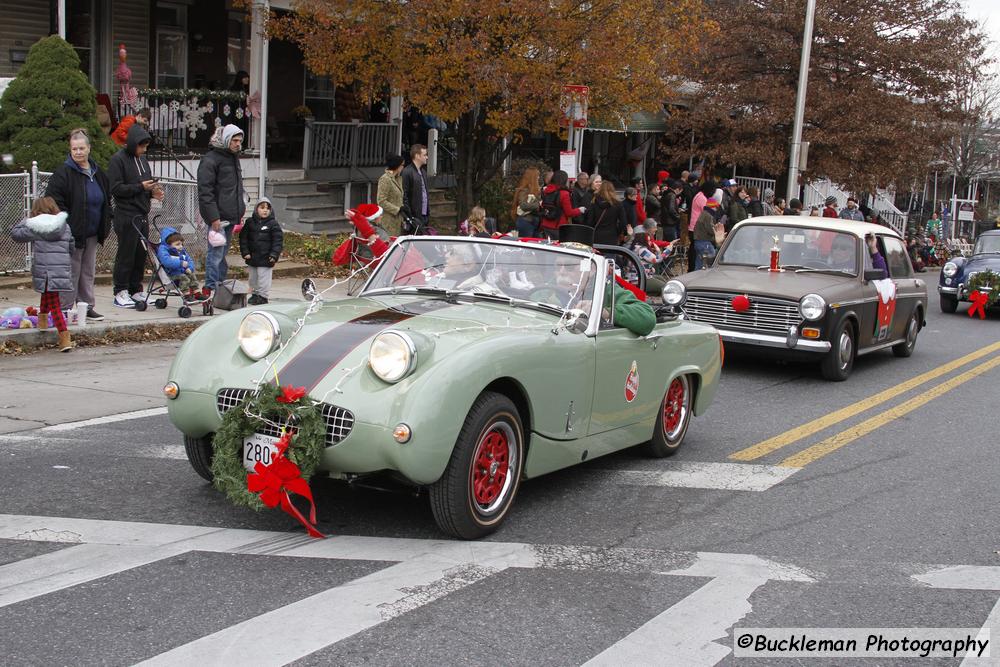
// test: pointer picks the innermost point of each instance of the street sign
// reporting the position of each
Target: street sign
(567, 163)
(966, 209)
(573, 104)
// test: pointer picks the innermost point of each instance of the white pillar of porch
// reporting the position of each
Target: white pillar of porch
(61, 17)
(396, 116)
(258, 78)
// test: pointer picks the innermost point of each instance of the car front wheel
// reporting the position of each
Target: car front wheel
(673, 419)
(478, 487)
(199, 453)
(839, 361)
(905, 348)
(949, 304)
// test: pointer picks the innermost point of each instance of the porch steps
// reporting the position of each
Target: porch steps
(300, 206)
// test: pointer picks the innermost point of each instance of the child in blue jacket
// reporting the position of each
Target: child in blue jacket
(177, 262)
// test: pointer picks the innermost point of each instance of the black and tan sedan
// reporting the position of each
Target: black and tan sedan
(806, 287)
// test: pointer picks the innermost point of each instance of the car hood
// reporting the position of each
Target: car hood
(982, 263)
(783, 285)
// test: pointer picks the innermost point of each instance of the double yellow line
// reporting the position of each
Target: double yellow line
(837, 441)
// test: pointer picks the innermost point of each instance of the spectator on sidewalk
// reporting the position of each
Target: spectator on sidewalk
(755, 207)
(178, 264)
(605, 215)
(261, 242)
(556, 206)
(670, 215)
(705, 193)
(640, 200)
(851, 211)
(141, 117)
(794, 207)
(221, 200)
(768, 203)
(390, 195)
(51, 261)
(416, 200)
(527, 198)
(652, 204)
(738, 207)
(82, 190)
(133, 187)
(581, 194)
(830, 207)
(630, 212)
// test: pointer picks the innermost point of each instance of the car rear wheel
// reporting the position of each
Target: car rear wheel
(478, 487)
(199, 452)
(839, 361)
(905, 348)
(949, 304)
(673, 418)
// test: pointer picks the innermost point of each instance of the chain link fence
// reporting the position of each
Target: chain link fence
(179, 209)
(15, 203)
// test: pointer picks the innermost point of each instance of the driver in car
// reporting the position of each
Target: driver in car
(843, 255)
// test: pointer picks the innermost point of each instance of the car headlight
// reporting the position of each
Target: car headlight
(392, 355)
(674, 293)
(812, 307)
(950, 269)
(259, 334)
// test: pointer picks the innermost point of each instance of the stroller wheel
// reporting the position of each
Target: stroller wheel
(160, 303)
(140, 305)
(184, 311)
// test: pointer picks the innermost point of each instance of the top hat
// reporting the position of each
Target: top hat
(581, 234)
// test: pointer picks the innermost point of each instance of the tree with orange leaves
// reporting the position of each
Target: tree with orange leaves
(497, 68)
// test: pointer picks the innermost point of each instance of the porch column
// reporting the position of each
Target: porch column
(258, 74)
(396, 116)
(61, 17)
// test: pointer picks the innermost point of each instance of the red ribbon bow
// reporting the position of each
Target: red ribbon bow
(290, 394)
(979, 300)
(274, 482)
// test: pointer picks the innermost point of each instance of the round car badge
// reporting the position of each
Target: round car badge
(632, 383)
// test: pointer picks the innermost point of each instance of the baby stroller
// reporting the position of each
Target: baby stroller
(160, 287)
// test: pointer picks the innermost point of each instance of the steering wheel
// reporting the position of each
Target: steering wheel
(547, 295)
(814, 263)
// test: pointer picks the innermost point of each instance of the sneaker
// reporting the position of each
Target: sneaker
(139, 296)
(123, 300)
(93, 315)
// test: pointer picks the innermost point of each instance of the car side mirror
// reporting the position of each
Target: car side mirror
(873, 274)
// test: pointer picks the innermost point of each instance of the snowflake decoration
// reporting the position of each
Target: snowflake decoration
(193, 116)
(239, 113)
(175, 105)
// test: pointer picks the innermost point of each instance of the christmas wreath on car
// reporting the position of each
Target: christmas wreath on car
(281, 472)
(984, 291)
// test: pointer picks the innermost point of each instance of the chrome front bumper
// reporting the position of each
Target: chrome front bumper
(958, 291)
(790, 342)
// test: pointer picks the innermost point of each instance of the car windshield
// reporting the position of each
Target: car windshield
(525, 271)
(988, 244)
(801, 247)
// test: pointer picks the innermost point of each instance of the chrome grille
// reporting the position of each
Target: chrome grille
(771, 316)
(339, 421)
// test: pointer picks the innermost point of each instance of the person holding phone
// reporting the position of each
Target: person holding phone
(133, 187)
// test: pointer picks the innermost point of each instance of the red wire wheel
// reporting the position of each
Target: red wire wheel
(674, 417)
(491, 467)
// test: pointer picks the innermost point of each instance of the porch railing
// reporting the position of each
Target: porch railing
(760, 183)
(184, 120)
(348, 145)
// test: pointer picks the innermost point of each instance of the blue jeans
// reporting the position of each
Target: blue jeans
(706, 248)
(215, 261)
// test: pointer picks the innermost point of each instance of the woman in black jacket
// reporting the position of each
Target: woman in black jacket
(261, 241)
(605, 216)
(81, 189)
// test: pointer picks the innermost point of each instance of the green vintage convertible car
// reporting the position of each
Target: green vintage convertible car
(464, 366)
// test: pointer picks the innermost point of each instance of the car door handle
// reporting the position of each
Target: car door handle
(654, 338)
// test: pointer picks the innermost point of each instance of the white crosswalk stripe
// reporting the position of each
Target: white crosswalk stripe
(692, 631)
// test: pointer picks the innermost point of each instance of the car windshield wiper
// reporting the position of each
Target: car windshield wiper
(412, 289)
(514, 302)
(811, 269)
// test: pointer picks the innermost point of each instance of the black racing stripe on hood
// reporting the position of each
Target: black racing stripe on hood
(311, 365)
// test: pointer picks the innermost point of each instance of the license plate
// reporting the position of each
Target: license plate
(258, 448)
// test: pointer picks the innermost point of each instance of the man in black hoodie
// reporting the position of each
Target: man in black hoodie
(132, 185)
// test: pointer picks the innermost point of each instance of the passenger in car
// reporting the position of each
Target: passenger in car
(878, 261)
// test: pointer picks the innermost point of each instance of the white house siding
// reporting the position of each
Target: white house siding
(22, 23)
(130, 26)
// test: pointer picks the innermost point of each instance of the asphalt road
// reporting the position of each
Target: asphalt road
(883, 515)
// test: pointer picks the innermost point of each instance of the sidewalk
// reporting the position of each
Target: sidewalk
(17, 291)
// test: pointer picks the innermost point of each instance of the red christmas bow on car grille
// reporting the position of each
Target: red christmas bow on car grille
(275, 481)
(979, 300)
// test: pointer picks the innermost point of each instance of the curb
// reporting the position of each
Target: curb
(32, 339)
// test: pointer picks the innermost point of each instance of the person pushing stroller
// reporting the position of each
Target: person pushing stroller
(261, 241)
(178, 264)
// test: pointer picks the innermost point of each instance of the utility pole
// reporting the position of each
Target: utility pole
(800, 103)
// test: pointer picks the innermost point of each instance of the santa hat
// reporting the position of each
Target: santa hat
(661, 176)
(371, 211)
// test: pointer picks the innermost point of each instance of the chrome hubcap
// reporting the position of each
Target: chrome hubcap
(845, 349)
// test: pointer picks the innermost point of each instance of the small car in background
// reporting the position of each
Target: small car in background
(826, 302)
(953, 283)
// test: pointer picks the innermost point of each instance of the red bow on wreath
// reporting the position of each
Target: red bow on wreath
(275, 481)
(979, 300)
(290, 394)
